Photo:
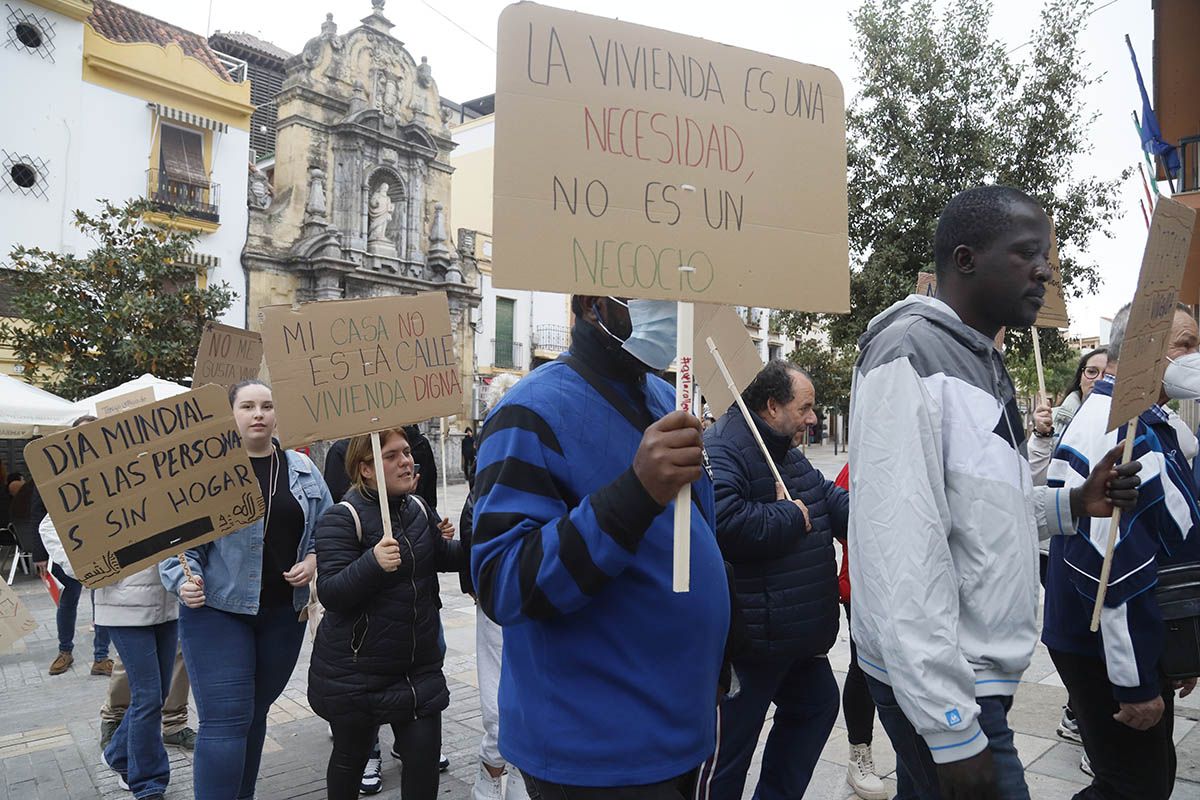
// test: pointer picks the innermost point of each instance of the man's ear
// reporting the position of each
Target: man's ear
(964, 260)
(589, 304)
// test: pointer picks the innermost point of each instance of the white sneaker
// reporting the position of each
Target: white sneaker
(515, 789)
(372, 780)
(486, 787)
(1085, 766)
(860, 774)
(1068, 727)
(120, 778)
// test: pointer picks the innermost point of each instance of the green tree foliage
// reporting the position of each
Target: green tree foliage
(129, 306)
(945, 106)
(1059, 370)
(830, 370)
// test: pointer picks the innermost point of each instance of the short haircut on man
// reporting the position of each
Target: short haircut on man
(1120, 321)
(773, 382)
(975, 218)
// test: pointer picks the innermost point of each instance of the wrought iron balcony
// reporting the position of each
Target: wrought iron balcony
(186, 197)
(508, 355)
(553, 338)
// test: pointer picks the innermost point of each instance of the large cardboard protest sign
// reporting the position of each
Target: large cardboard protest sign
(15, 619)
(1054, 308)
(348, 367)
(1143, 352)
(227, 356)
(727, 330)
(127, 491)
(637, 162)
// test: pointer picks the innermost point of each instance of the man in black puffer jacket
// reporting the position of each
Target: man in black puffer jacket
(785, 574)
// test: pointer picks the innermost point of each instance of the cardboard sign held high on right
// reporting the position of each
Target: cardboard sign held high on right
(1143, 353)
(727, 330)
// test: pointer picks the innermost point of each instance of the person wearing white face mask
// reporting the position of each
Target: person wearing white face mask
(610, 679)
(1121, 699)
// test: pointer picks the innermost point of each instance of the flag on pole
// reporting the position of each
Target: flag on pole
(1152, 138)
(1137, 126)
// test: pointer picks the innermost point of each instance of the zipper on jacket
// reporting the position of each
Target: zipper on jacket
(412, 582)
(356, 646)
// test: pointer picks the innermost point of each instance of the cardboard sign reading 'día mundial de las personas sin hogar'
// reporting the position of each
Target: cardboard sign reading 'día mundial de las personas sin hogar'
(128, 491)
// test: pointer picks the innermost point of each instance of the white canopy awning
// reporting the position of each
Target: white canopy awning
(27, 411)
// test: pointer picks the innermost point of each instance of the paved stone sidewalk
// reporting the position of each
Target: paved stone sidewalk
(49, 726)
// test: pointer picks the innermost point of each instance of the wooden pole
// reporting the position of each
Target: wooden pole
(1113, 530)
(445, 464)
(1037, 361)
(381, 487)
(741, 404)
(685, 389)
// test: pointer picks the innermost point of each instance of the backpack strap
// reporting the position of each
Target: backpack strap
(357, 521)
(421, 504)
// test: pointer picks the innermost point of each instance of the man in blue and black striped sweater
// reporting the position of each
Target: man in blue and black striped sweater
(609, 678)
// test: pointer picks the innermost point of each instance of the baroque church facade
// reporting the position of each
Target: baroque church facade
(360, 199)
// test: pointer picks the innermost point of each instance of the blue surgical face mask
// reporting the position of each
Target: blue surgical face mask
(655, 325)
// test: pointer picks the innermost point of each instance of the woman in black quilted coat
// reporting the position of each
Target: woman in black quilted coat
(376, 657)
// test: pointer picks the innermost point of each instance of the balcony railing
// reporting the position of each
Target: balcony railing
(187, 198)
(554, 338)
(508, 355)
(1189, 153)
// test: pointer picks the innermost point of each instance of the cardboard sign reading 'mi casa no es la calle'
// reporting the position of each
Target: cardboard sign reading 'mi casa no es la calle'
(348, 367)
(127, 491)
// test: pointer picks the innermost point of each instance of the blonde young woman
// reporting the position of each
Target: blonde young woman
(377, 658)
(241, 620)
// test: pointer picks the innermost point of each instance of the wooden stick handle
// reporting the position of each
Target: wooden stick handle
(741, 404)
(685, 399)
(1114, 529)
(381, 486)
(1037, 361)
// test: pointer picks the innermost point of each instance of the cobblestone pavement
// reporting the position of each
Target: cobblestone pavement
(49, 726)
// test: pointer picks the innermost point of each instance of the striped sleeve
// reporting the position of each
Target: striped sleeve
(1130, 623)
(537, 551)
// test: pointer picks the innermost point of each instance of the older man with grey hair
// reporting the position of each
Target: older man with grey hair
(1122, 701)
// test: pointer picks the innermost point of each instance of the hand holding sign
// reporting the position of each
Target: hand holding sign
(192, 592)
(670, 456)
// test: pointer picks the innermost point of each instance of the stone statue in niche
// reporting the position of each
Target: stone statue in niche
(316, 193)
(379, 214)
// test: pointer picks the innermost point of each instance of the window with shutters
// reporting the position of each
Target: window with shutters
(180, 184)
(505, 357)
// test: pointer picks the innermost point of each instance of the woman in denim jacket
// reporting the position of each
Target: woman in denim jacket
(242, 620)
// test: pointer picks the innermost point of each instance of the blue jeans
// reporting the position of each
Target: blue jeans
(239, 665)
(68, 612)
(806, 706)
(916, 775)
(136, 750)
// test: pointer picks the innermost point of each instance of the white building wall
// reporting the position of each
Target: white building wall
(95, 143)
(42, 120)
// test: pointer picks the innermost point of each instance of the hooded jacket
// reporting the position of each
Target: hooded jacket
(945, 521)
(785, 577)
